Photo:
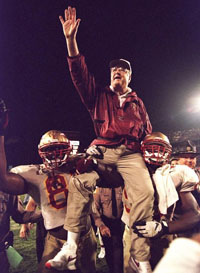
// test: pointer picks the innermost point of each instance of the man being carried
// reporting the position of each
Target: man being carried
(120, 122)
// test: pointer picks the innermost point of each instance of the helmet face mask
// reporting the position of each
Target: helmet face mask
(156, 149)
(54, 149)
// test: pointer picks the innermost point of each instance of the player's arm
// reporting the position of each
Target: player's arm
(190, 217)
(70, 27)
(30, 211)
(10, 183)
(188, 220)
(21, 216)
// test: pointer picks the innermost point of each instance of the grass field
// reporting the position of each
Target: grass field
(28, 251)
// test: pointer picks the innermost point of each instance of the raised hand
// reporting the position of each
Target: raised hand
(70, 24)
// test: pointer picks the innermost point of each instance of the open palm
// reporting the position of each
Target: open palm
(70, 24)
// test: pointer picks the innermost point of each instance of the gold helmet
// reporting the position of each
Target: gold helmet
(156, 149)
(54, 149)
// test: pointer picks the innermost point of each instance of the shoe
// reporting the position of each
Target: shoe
(140, 267)
(64, 259)
(102, 253)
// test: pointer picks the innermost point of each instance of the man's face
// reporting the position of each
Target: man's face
(189, 160)
(174, 162)
(120, 77)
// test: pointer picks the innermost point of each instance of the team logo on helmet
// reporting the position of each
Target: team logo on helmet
(54, 149)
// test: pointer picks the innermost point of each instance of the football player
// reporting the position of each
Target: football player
(63, 196)
(173, 186)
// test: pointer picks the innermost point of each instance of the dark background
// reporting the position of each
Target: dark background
(161, 39)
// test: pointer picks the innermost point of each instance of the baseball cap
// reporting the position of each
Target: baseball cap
(120, 63)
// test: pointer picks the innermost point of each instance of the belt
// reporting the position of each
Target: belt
(115, 142)
(61, 233)
(58, 232)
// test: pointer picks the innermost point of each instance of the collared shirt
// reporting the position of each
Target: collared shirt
(123, 96)
(103, 204)
(114, 124)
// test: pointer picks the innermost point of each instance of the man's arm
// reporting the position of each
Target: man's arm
(145, 119)
(70, 27)
(190, 217)
(83, 80)
(20, 215)
(25, 228)
(10, 183)
(96, 214)
(188, 220)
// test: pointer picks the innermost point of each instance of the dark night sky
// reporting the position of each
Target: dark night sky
(161, 39)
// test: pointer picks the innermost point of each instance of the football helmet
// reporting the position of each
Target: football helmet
(54, 149)
(156, 149)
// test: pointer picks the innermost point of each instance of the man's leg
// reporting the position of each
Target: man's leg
(140, 193)
(51, 248)
(77, 220)
(40, 239)
(80, 198)
(114, 244)
(87, 251)
(139, 189)
(127, 246)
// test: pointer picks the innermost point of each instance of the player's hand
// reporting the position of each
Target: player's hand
(84, 165)
(105, 231)
(94, 151)
(151, 229)
(70, 24)
(24, 232)
(3, 117)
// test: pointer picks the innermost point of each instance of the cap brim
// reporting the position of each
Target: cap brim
(119, 63)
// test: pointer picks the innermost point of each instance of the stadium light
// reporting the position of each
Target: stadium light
(194, 105)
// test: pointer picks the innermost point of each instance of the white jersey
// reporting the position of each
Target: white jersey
(183, 178)
(49, 192)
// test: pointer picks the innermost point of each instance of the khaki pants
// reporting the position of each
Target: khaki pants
(86, 261)
(79, 201)
(127, 246)
(139, 189)
(138, 186)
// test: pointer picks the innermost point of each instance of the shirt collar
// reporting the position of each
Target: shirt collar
(129, 90)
